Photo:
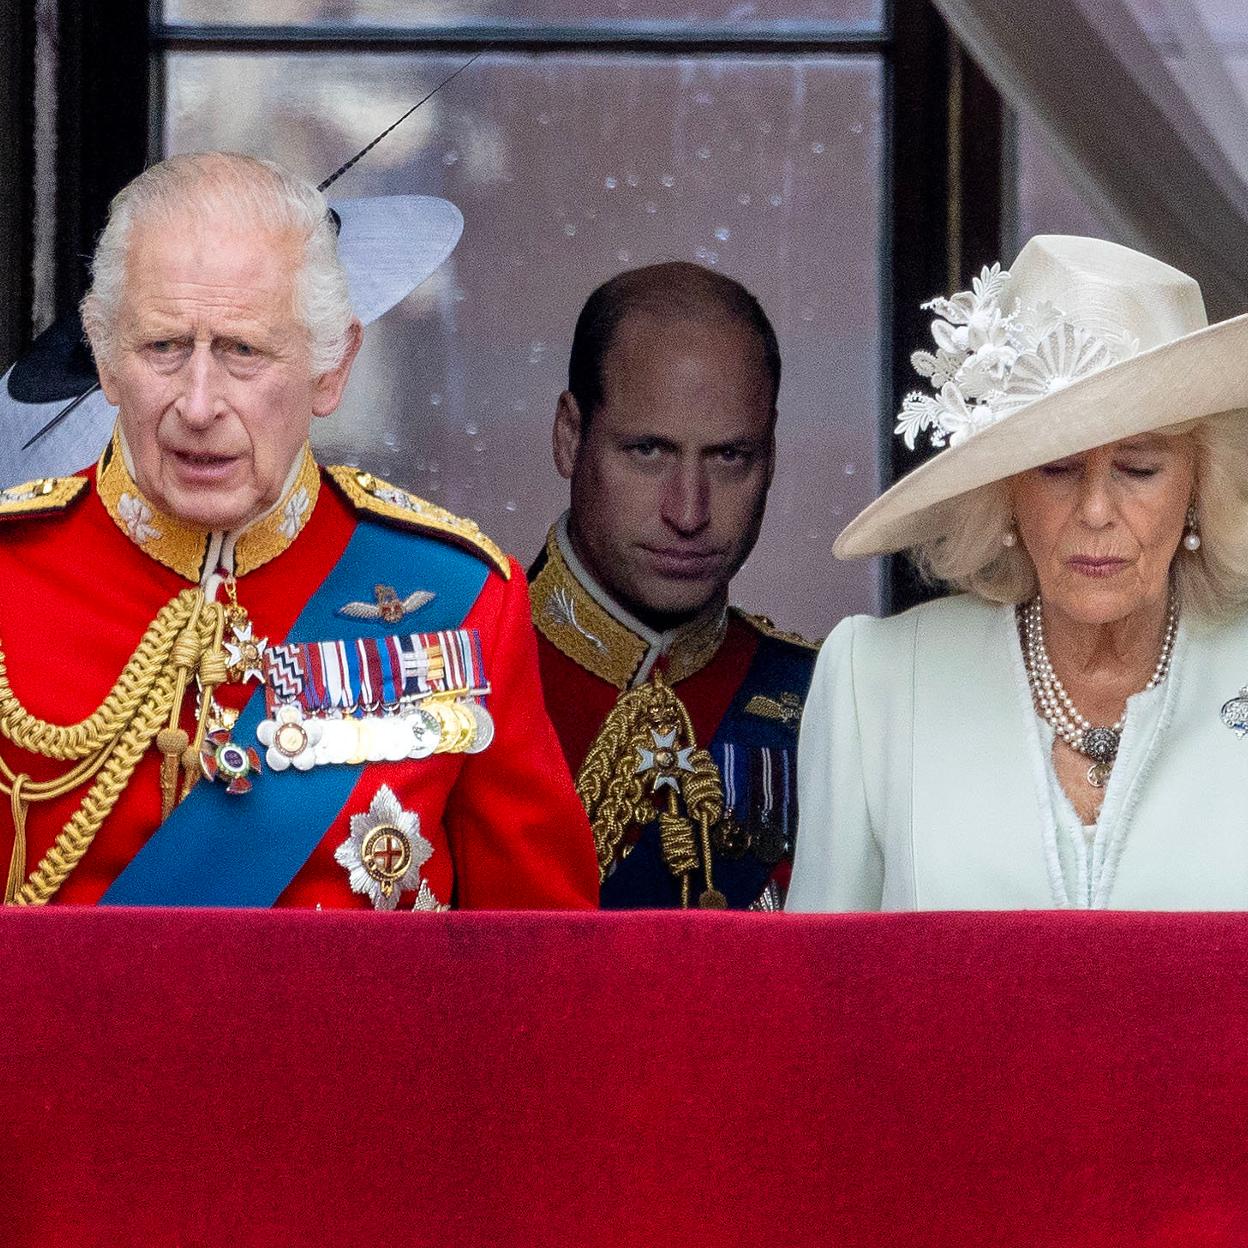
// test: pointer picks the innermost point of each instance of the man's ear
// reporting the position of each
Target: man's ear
(108, 379)
(771, 450)
(566, 437)
(328, 387)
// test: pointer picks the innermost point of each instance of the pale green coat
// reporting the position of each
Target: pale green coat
(922, 781)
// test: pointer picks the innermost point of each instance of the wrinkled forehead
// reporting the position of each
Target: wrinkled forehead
(218, 259)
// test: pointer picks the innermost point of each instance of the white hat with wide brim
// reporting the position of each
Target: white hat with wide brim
(1185, 369)
(388, 245)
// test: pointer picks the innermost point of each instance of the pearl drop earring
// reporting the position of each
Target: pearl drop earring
(1009, 538)
(1191, 539)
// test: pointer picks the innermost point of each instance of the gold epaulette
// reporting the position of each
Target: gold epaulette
(42, 497)
(376, 497)
(761, 624)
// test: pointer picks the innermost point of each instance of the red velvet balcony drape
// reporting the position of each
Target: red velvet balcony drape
(233, 1079)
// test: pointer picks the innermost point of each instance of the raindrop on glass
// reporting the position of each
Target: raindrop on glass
(850, 468)
(510, 505)
(631, 179)
(651, 206)
(610, 182)
(435, 399)
(704, 153)
(702, 97)
(818, 149)
(668, 180)
(472, 430)
(623, 256)
(856, 128)
(700, 254)
(723, 233)
(449, 158)
(543, 119)
(570, 230)
(775, 200)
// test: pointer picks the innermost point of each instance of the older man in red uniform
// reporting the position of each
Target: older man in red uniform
(232, 677)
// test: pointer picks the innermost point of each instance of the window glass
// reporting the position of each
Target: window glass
(569, 168)
(771, 15)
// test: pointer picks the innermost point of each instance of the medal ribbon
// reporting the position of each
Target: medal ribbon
(218, 850)
(371, 674)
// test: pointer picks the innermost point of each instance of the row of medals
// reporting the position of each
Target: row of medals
(434, 726)
(763, 837)
(446, 723)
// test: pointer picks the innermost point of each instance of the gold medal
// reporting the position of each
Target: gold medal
(467, 728)
(458, 727)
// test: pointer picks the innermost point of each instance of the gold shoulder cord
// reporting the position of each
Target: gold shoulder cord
(646, 746)
(145, 704)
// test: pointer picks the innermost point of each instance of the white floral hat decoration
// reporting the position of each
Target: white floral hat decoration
(1081, 343)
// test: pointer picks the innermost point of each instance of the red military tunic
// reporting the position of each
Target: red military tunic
(79, 587)
(740, 681)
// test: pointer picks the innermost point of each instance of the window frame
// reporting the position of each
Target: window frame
(945, 145)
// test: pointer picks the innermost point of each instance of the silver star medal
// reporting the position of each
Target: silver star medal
(385, 852)
(1235, 713)
(664, 758)
(245, 654)
(427, 900)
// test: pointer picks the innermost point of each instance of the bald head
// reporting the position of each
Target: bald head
(670, 293)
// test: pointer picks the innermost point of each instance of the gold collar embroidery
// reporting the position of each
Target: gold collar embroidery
(619, 650)
(186, 547)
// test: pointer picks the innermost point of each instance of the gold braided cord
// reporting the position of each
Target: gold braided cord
(680, 850)
(76, 741)
(613, 785)
(609, 786)
(171, 651)
(703, 791)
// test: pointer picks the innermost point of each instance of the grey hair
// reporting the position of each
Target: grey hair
(255, 191)
(967, 554)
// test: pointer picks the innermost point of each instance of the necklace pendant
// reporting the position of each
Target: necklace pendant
(1098, 774)
(1100, 744)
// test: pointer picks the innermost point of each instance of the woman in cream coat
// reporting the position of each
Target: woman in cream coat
(1070, 730)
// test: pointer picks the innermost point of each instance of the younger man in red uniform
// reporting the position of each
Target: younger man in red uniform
(679, 713)
(231, 677)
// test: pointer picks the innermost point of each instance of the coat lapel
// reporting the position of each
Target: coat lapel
(979, 836)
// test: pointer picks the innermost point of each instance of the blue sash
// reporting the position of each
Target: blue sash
(216, 849)
(642, 880)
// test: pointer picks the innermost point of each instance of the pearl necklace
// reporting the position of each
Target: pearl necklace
(1100, 744)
